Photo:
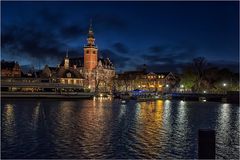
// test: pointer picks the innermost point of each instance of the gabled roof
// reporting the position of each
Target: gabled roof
(162, 73)
(106, 62)
(74, 73)
(79, 62)
(53, 68)
(9, 64)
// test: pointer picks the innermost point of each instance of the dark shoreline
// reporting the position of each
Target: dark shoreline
(225, 98)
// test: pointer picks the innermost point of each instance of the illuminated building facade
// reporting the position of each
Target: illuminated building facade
(150, 81)
(10, 69)
(90, 71)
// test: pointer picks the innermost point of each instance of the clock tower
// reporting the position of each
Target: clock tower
(90, 52)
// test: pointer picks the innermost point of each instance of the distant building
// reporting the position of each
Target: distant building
(150, 81)
(89, 71)
(10, 69)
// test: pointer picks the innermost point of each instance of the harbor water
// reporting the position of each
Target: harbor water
(111, 129)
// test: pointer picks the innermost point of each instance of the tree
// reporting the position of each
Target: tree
(188, 78)
(199, 66)
(211, 77)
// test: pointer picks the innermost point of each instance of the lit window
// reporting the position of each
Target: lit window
(69, 75)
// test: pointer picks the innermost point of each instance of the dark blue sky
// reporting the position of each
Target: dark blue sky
(164, 35)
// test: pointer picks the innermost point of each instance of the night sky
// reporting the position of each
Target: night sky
(164, 35)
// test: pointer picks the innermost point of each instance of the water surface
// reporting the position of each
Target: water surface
(109, 129)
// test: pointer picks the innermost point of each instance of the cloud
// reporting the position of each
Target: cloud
(118, 60)
(163, 58)
(47, 37)
(73, 31)
(45, 44)
(166, 54)
(232, 65)
(156, 49)
(107, 22)
(27, 41)
(50, 18)
(120, 47)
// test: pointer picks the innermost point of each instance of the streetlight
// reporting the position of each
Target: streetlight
(167, 85)
(182, 86)
(224, 85)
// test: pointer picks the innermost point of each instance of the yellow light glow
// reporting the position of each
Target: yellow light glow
(160, 86)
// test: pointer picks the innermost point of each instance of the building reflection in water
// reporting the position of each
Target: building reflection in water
(8, 122)
(122, 111)
(149, 128)
(108, 129)
(35, 115)
(94, 127)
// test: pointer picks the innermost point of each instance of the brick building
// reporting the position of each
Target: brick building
(10, 69)
(90, 71)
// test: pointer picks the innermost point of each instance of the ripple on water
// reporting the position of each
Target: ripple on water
(107, 129)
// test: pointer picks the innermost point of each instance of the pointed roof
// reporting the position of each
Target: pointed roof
(90, 31)
(67, 53)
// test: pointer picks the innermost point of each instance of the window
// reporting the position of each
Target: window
(87, 51)
(69, 75)
(94, 52)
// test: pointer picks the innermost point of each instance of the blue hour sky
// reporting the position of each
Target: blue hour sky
(164, 35)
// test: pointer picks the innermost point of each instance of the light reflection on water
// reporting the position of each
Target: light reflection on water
(109, 129)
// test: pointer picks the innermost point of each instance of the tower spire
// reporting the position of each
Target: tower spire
(90, 31)
(67, 53)
(66, 61)
(90, 27)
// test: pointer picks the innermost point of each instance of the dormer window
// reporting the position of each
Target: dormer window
(69, 75)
